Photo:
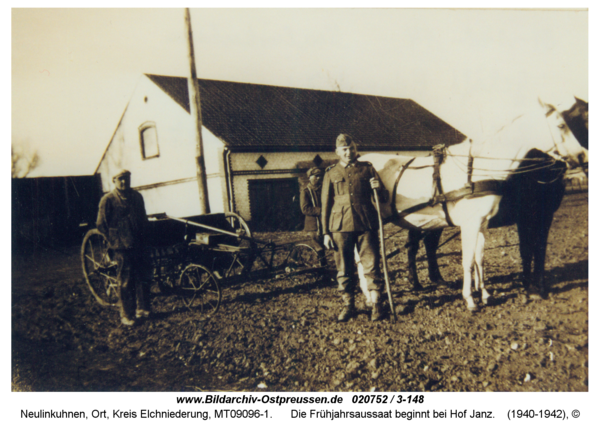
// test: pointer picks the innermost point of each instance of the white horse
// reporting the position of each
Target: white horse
(463, 166)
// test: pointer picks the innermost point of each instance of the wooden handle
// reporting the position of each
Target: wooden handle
(384, 258)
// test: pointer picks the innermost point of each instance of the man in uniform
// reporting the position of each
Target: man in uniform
(349, 218)
(310, 204)
(123, 221)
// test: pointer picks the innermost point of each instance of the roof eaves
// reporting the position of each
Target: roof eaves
(111, 138)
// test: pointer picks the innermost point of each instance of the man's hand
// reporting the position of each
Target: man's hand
(328, 242)
(375, 184)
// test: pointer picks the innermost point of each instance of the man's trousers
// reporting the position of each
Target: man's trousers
(133, 278)
(367, 245)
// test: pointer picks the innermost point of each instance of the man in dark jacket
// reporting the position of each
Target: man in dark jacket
(310, 204)
(123, 221)
(349, 218)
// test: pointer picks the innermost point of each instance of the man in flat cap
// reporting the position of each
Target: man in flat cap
(310, 204)
(349, 218)
(123, 221)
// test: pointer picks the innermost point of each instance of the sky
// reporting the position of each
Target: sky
(74, 70)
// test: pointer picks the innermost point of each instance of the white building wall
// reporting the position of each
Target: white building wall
(167, 182)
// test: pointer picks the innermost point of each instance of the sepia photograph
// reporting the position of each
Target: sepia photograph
(299, 200)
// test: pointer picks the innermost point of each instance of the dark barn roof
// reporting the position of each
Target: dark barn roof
(251, 117)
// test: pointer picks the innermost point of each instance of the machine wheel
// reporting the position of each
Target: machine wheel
(199, 290)
(302, 256)
(99, 270)
(234, 264)
(238, 224)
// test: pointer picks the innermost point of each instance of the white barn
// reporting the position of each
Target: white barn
(259, 141)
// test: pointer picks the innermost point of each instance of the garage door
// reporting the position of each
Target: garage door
(275, 205)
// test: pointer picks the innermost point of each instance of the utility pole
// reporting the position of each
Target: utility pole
(196, 113)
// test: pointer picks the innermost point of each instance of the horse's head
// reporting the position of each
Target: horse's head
(577, 119)
(566, 146)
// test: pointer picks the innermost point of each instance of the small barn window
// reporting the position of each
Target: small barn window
(149, 140)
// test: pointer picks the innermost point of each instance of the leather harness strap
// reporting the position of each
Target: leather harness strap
(470, 169)
(476, 189)
(470, 190)
(438, 191)
(403, 168)
(396, 215)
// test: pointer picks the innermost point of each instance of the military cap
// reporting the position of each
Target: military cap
(343, 140)
(315, 171)
(122, 173)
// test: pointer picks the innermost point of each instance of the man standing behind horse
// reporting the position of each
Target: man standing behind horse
(310, 204)
(123, 221)
(349, 218)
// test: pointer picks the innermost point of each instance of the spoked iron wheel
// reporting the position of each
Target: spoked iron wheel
(238, 224)
(302, 256)
(199, 290)
(99, 270)
(235, 263)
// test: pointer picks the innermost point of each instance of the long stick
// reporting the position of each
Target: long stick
(384, 258)
(210, 228)
(196, 114)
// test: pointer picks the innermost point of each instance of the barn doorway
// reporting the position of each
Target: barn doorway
(275, 204)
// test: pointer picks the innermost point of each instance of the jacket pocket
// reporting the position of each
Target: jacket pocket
(335, 220)
(339, 186)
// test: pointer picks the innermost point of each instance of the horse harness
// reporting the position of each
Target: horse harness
(470, 190)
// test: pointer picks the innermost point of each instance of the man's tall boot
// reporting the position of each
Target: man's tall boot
(376, 309)
(349, 308)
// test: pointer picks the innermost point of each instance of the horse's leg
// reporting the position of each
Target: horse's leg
(468, 235)
(431, 241)
(539, 255)
(479, 283)
(362, 281)
(414, 238)
(526, 245)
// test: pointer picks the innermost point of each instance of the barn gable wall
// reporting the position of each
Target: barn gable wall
(287, 130)
(167, 182)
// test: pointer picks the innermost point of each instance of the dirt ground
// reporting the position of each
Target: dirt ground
(280, 334)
